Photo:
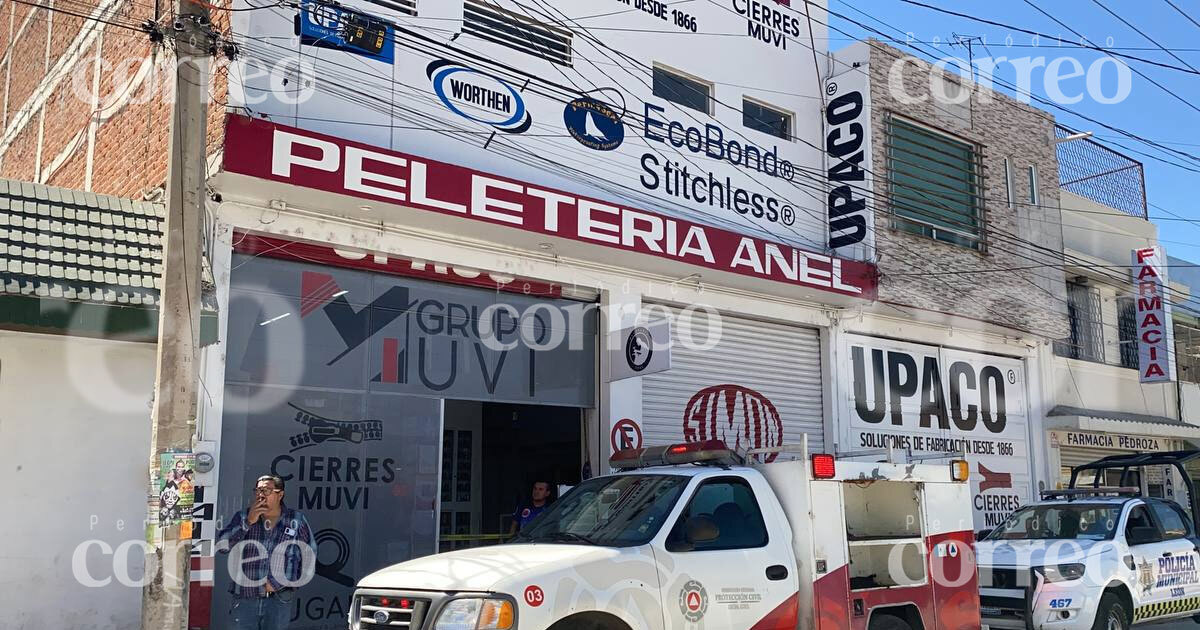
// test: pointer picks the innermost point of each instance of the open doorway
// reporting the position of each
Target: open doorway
(492, 453)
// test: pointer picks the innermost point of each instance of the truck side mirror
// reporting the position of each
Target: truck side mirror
(1142, 536)
(983, 533)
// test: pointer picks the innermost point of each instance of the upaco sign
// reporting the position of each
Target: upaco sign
(1154, 334)
(848, 147)
(926, 399)
(265, 150)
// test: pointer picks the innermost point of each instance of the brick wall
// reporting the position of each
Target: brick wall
(125, 132)
(1000, 127)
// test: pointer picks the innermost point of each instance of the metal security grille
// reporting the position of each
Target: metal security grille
(1087, 332)
(935, 184)
(1127, 332)
(406, 7)
(1187, 352)
(518, 32)
(759, 385)
(1094, 171)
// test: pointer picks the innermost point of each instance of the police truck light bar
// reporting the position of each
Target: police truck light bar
(706, 452)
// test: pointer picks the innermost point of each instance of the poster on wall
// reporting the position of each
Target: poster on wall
(705, 129)
(926, 399)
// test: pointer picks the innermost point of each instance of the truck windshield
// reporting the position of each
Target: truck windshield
(621, 511)
(1061, 522)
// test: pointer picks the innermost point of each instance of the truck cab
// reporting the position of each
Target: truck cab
(1092, 558)
(688, 536)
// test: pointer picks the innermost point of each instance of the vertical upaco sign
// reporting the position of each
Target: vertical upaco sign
(1154, 336)
(922, 399)
(848, 164)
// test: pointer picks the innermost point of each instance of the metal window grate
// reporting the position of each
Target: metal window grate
(1127, 332)
(1087, 332)
(1187, 352)
(405, 7)
(935, 183)
(1094, 171)
(518, 32)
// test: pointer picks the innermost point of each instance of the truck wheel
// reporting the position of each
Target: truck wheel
(1111, 614)
(887, 622)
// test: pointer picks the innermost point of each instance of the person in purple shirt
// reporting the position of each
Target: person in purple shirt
(274, 547)
(539, 499)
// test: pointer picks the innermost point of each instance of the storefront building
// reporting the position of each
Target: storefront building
(422, 324)
(948, 362)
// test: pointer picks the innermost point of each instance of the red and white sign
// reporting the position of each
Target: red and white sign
(626, 434)
(262, 149)
(1153, 316)
(534, 596)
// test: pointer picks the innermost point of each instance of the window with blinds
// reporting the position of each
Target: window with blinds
(935, 184)
(1087, 332)
(1187, 352)
(1127, 332)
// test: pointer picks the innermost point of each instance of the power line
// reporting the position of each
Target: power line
(1183, 13)
(1018, 237)
(1089, 44)
(1135, 70)
(1143, 34)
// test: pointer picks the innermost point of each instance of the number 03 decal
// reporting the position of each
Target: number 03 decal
(534, 596)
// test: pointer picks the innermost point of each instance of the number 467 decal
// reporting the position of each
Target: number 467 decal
(1060, 603)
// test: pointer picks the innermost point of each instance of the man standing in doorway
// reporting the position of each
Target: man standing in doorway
(529, 511)
(274, 547)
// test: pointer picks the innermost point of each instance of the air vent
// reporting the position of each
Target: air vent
(406, 7)
(518, 32)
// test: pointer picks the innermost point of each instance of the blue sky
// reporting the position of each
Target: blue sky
(1148, 111)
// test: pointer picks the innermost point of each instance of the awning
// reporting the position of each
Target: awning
(1098, 421)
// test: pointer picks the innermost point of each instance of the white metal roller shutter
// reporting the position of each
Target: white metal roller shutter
(1072, 456)
(759, 386)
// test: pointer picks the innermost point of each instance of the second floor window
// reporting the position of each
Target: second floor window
(935, 184)
(1187, 352)
(1087, 333)
(1127, 332)
(766, 119)
(681, 90)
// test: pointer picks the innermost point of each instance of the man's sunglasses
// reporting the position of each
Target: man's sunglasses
(265, 491)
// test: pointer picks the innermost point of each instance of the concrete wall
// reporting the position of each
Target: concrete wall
(1097, 231)
(74, 441)
(1000, 127)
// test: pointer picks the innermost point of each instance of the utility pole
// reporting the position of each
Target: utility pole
(165, 595)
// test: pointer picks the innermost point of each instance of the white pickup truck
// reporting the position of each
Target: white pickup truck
(1102, 558)
(686, 536)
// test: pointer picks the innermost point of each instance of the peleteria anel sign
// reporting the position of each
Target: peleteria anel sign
(307, 159)
(1154, 336)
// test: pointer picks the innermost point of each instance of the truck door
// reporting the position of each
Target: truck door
(1176, 579)
(721, 567)
(1147, 546)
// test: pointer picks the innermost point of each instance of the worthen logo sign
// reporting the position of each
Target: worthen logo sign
(306, 159)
